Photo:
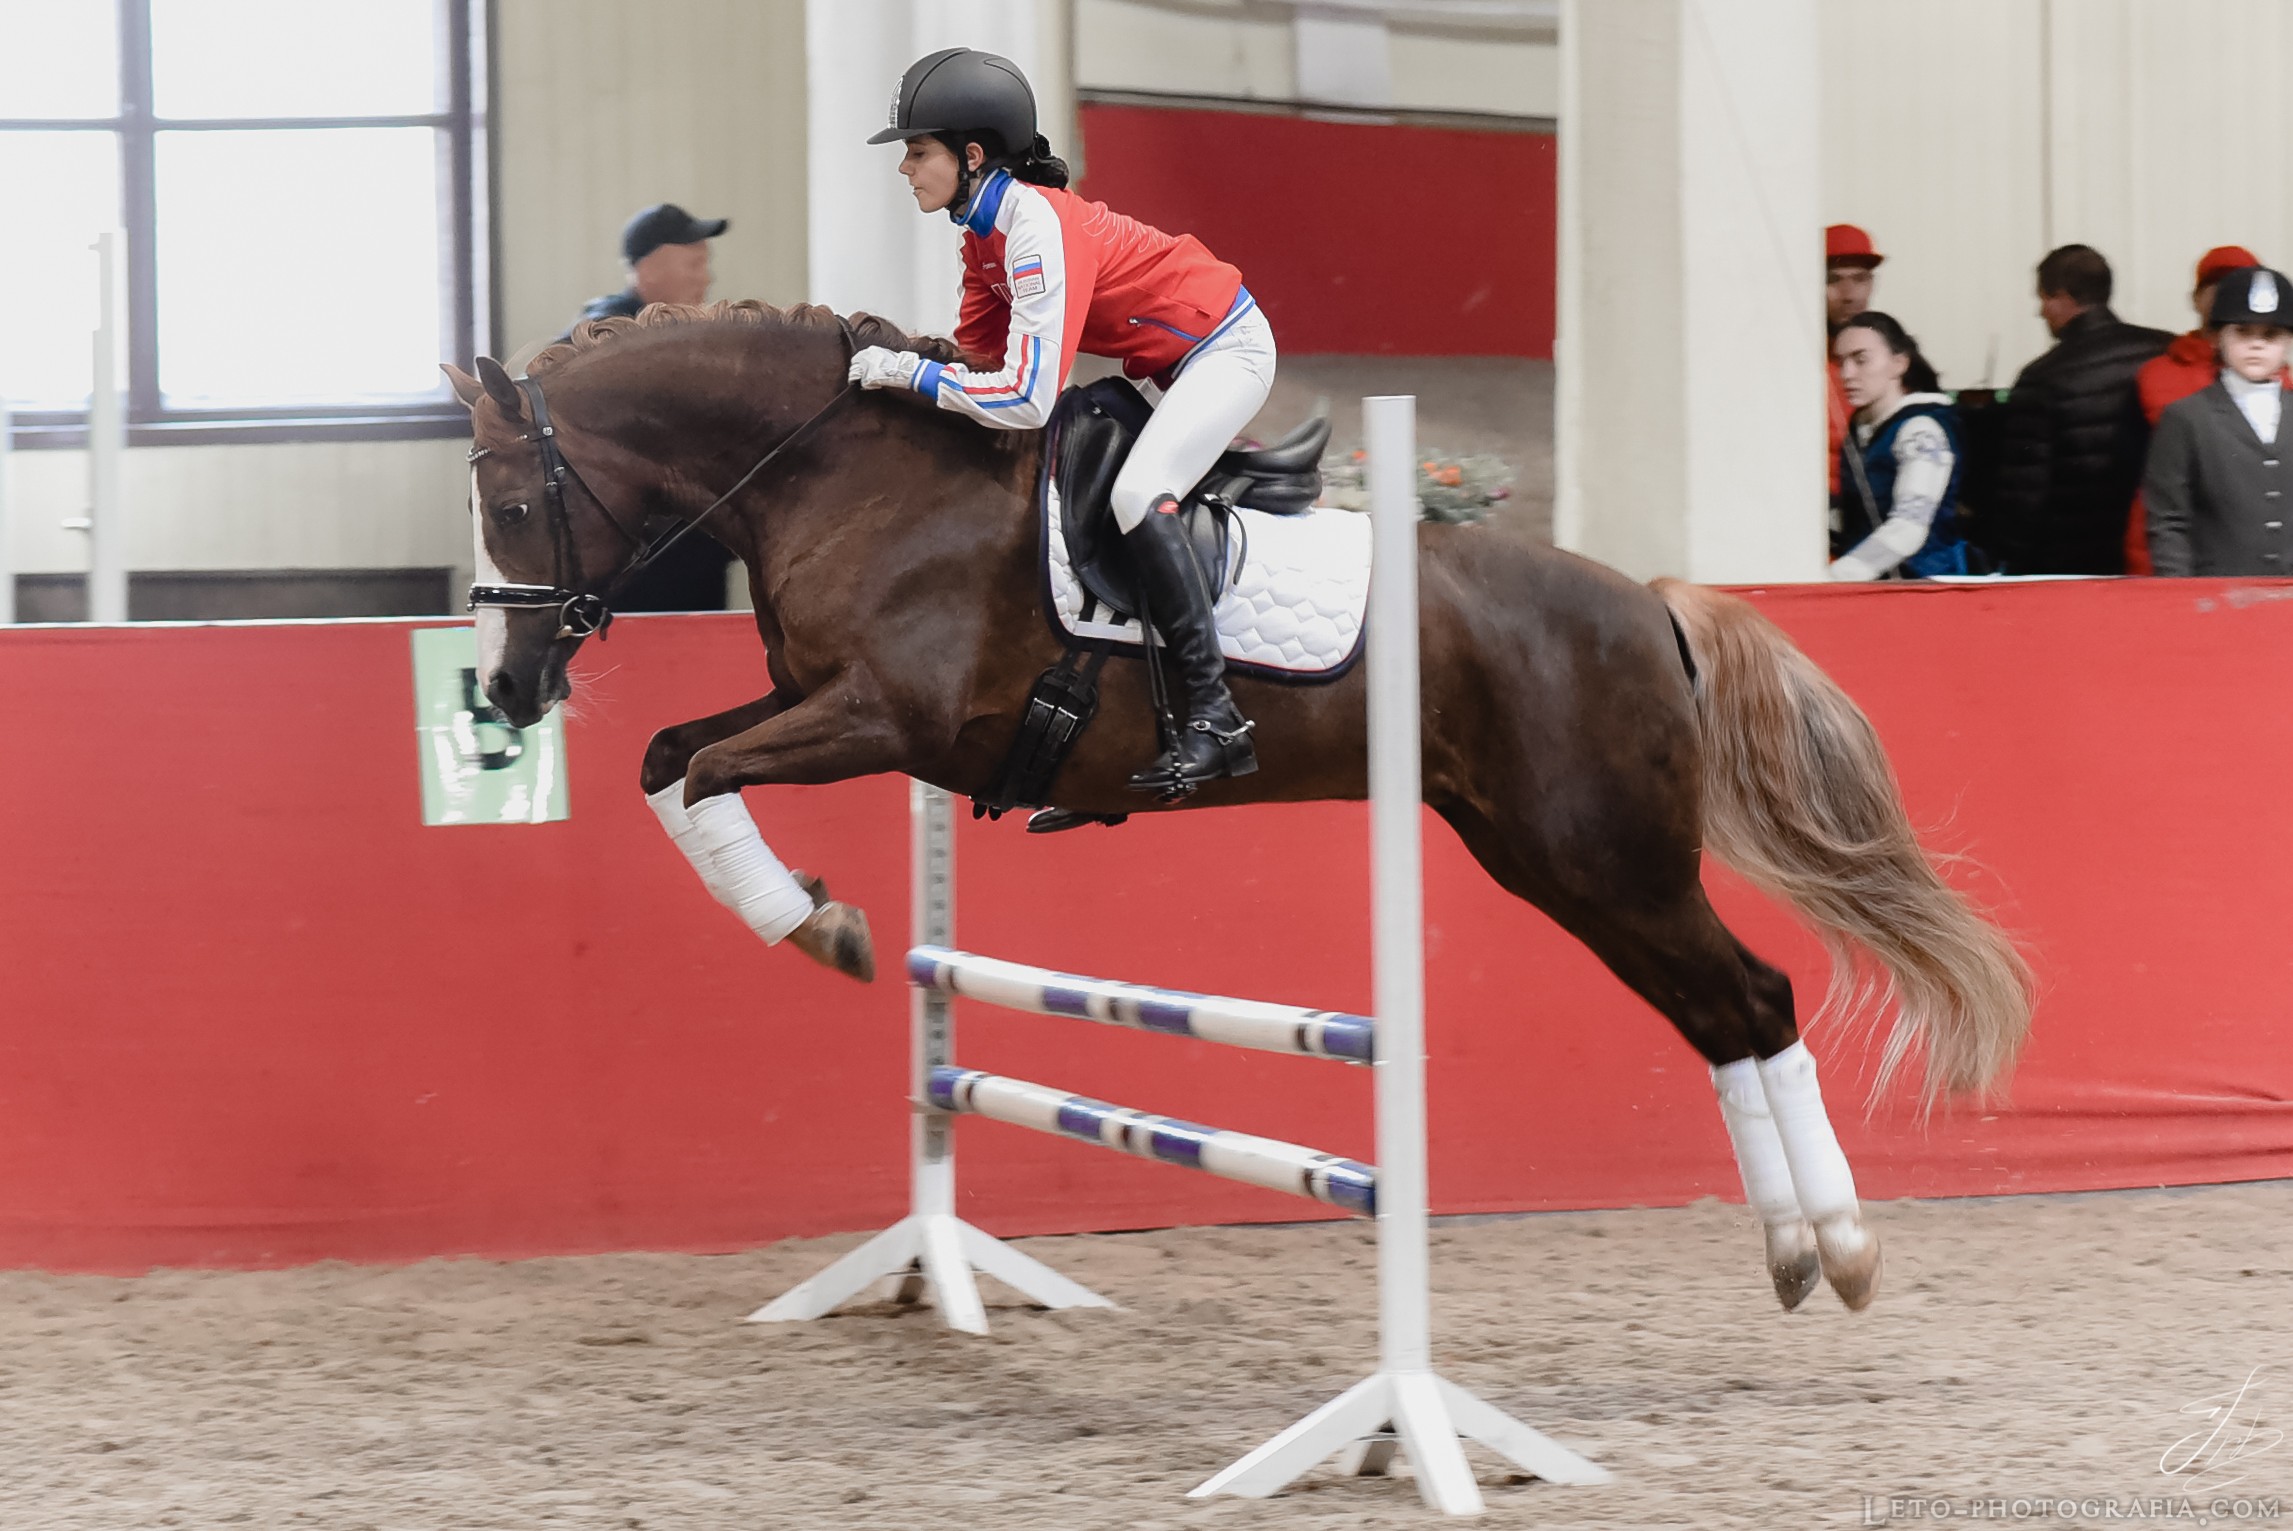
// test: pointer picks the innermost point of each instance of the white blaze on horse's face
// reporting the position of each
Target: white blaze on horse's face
(493, 623)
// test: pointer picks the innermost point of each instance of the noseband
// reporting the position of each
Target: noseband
(582, 611)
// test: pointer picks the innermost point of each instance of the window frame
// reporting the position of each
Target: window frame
(148, 420)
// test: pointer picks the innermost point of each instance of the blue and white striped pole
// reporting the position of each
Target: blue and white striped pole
(1142, 1007)
(1243, 1156)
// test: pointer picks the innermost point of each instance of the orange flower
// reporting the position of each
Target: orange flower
(1450, 476)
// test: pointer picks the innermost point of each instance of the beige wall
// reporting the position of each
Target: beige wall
(305, 505)
(1244, 48)
(604, 106)
(1968, 135)
(1971, 136)
(609, 105)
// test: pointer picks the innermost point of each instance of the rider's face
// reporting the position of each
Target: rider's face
(932, 173)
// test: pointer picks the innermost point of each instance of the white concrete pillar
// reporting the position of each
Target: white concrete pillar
(1343, 56)
(1689, 358)
(869, 247)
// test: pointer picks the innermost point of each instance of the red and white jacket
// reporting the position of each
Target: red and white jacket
(1048, 276)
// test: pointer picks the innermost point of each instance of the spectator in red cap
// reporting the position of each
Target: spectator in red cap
(2188, 366)
(1848, 263)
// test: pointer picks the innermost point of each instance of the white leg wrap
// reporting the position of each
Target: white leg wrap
(1819, 1172)
(743, 872)
(668, 806)
(1759, 1147)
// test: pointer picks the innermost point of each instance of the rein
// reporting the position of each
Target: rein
(582, 612)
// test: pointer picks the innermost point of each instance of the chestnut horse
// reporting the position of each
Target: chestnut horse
(1587, 737)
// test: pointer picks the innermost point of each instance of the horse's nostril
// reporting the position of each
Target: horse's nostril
(502, 689)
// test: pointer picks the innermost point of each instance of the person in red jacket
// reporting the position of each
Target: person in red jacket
(1048, 276)
(1848, 263)
(2189, 366)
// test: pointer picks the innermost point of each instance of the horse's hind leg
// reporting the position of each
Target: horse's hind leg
(1737, 1011)
(1668, 945)
(1775, 1119)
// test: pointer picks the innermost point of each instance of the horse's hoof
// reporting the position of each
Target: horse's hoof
(1793, 1263)
(813, 884)
(836, 936)
(1850, 1261)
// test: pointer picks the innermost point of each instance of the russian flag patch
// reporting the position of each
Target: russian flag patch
(1027, 277)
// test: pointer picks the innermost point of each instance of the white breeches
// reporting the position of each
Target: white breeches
(1217, 392)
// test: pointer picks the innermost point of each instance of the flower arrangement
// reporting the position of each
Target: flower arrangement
(1458, 489)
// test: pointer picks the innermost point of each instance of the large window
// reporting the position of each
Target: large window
(299, 184)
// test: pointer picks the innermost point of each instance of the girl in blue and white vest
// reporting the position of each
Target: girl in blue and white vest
(1897, 510)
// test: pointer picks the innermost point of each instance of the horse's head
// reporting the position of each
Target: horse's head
(545, 549)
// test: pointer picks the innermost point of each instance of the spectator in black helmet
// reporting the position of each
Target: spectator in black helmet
(2071, 444)
(2217, 481)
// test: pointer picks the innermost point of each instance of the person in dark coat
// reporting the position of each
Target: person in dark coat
(667, 252)
(2073, 438)
(2217, 479)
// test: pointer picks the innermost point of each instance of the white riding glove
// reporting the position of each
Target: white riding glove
(881, 367)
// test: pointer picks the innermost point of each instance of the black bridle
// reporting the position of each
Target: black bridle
(580, 611)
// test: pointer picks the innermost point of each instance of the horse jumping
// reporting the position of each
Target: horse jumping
(1587, 737)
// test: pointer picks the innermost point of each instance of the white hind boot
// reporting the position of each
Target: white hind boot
(1792, 1261)
(1820, 1176)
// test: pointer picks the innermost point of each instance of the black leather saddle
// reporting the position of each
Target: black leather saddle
(1091, 431)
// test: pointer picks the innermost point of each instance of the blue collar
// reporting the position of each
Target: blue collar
(986, 202)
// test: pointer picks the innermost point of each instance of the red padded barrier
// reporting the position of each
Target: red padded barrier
(255, 1013)
(1358, 239)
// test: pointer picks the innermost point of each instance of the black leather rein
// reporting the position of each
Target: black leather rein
(585, 611)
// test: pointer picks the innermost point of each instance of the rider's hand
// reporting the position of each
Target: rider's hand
(880, 367)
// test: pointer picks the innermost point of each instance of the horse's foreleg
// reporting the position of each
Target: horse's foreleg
(837, 732)
(673, 749)
(663, 779)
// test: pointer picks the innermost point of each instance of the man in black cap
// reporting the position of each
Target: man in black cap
(667, 252)
(2217, 481)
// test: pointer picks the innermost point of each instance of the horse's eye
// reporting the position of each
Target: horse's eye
(511, 515)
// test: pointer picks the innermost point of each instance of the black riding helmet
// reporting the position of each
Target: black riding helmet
(962, 90)
(2254, 295)
(956, 93)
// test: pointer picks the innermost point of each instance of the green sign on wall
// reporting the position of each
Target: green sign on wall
(476, 769)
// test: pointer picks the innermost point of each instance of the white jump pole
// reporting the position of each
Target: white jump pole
(107, 448)
(931, 1249)
(1405, 1404)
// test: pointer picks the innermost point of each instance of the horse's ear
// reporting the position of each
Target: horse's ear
(466, 388)
(503, 391)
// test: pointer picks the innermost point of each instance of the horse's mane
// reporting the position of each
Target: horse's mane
(867, 329)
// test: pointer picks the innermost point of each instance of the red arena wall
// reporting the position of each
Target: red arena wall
(1371, 239)
(256, 1014)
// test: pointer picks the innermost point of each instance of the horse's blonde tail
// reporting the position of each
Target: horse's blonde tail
(1799, 798)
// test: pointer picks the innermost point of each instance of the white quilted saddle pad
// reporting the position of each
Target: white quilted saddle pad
(1292, 609)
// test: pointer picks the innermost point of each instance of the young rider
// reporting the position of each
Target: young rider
(1048, 276)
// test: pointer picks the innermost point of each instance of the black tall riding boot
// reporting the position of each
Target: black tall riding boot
(1214, 740)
